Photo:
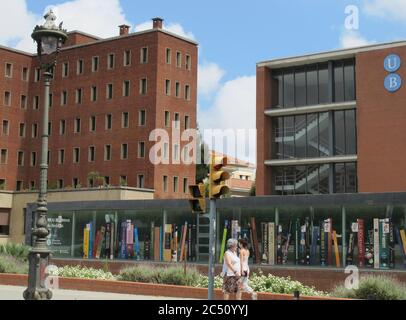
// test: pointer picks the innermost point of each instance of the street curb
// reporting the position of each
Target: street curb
(147, 289)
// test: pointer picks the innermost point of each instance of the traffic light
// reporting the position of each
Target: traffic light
(198, 201)
(218, 177)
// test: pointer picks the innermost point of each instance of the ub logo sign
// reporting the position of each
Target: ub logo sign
(393, 81)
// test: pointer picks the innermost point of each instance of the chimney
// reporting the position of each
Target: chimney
(157, 23)
(124, 30)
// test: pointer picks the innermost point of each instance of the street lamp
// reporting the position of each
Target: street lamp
(49, 39)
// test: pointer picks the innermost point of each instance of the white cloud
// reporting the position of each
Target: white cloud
(234, 108)
(90, 16)
(171, 27)
(391, 9)
(209, 77)
(352, 39)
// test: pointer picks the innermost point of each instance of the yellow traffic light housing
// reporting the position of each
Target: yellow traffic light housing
(218, 177)
(198, 201)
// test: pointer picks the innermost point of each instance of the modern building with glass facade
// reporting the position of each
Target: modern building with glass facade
(332, 122)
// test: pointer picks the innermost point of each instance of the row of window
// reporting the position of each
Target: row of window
(77, 124)
(110, 64)
(79, 93)
(107, 151)
(91, 183)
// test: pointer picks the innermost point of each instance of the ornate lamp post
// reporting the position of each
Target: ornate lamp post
(49, 39)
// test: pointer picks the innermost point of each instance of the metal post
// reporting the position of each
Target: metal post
(212, 246)
(72, 251)
(344, 234)
(39, 254)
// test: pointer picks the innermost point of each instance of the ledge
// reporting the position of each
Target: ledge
(147, 289)
(273, 112)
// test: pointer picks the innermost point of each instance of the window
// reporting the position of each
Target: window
(60, 184)
(140, 181)
(77, 125)
(143, 86)
(32, 185)
(144, 55)
(176, 152)
(6, 128)
(168, 56)
(3, 156)
(109, 92)
(345, 140)
(300, 87)
(168, 87)
(141, 149)
(20, 158)
(37, 75)
(75, 183)
(188, 62)
(124, 151)
(187, 92)
(4, 215)
(186, 155)
(79, 96)
(177, 120)
(93, 95)
(49, 128)
(165, 183)
(23, 103)
(167, 119)
(76, 155)
(166, 151)
(187, 124)
(185, 185)
(50, 100)
(95, 64)
(338, 81)
(123, 181)
(349, 80)
(124, 120)
(126, 88)
(65, 70)
(25, 74)
(33, 160)
(142, 118)
(110, 61)
(323, 84)
(19, 186)
(62, 127)
(61, 156)
(79, 68)
(127, 58)
(175, 184)
(22, 130)
(35, 103)
(106, 180)
(7, 98)
(178, 59)
(91, 155)
(64, 98)
(109, 121)
(90, 182)
(92, 124)
(177, 89)
(34, 130)
(107, 152)
(9, 70)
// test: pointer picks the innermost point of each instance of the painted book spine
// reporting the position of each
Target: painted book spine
(361, 243)
(376, 244)
(271, 247)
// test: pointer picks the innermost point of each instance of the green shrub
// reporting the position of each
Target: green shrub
(10, 264)
(83, 273)
(375, 287)
(18, 251)
(174, 275)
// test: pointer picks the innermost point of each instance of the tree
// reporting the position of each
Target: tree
(253, 190)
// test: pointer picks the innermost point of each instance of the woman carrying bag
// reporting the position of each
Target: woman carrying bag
(231, 271)
(245, 269)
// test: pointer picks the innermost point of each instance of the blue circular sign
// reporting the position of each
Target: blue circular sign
(392, 63)
(393, 82)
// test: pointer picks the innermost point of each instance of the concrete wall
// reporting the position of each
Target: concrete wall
(18, 201)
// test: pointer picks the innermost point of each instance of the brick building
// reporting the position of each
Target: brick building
(107, 96)
(332, 122)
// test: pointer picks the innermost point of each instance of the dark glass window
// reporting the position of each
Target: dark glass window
(312, 135)
(301, 180)
(300, 87)
(338, 81)
(279, 78)
(278, 138)
(300, 136)
(324, 141)
(312, 86)
(349, 80)
(323, 83)
(339, 133)
(288, 137)
(351, 132)
(339, 176)
(313, 179)
(289, 89)
(324, 179)
(351, 177)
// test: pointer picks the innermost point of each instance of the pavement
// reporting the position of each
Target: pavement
(16, 293)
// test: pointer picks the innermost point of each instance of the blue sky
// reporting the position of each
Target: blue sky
(233, 36)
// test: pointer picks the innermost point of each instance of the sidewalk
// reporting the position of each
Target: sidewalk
(16, 293)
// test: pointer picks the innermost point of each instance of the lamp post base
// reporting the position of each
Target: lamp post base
(38, 262)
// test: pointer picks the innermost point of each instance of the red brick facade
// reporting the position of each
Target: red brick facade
(155, 102)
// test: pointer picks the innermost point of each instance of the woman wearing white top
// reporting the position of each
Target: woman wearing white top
(245, 269)
(232, 271)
